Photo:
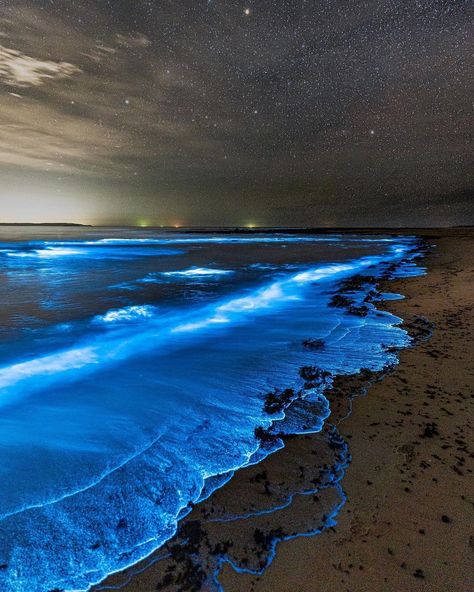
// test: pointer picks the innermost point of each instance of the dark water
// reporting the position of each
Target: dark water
(133, 373)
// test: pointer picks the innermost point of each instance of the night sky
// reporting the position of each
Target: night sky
(218, 112)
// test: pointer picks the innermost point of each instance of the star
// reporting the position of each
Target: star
(288, 97)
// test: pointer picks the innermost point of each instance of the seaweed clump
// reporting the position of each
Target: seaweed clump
(313, 344)
(278, 400)
(314, 377)
(265, 436)
(419, 329)
(186, 554)
(358, 311)
(340, 301)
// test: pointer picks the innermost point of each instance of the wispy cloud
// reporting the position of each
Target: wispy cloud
(21, 70)
(134, 40)
(84, 101)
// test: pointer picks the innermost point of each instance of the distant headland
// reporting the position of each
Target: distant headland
(43, 224)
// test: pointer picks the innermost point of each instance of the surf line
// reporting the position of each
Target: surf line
(70, 364)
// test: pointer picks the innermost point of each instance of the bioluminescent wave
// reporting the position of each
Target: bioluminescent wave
(197, 272)
(121, 408)
(85, 250)
(222, 239)
(129, 314)
(275, 295)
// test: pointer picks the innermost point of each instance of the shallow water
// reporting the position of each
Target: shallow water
(133, 373)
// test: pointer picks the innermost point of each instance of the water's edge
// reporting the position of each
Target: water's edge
(184, 550)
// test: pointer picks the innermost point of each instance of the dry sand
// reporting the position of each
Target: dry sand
(407, 523)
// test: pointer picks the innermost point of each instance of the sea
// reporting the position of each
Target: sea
(140, 368)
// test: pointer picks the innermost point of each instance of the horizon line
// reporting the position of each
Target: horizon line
(246, 228)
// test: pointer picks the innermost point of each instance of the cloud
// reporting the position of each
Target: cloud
(21, 70)
(98, 118)
(133, 41)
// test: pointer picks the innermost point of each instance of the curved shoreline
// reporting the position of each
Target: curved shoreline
(342, 383)
(405, 525)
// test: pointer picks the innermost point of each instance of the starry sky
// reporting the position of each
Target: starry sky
(219, 112)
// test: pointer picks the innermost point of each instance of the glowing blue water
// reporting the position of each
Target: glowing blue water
(132, 371)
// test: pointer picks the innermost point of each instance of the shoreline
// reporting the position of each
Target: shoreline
(151, 575)
(404, 525)
(374, 331)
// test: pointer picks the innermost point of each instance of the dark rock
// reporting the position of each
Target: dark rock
(313, 344)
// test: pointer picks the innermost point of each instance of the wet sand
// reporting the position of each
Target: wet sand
(406, 522)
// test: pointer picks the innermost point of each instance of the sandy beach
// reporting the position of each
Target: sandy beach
(405, 523)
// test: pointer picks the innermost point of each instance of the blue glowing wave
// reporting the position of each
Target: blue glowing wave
(254, 239)
(86, 250)
(160, 409)
(129, 314)
(197, 272)
(236, 310)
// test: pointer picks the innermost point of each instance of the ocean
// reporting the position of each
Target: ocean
(139, 369)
